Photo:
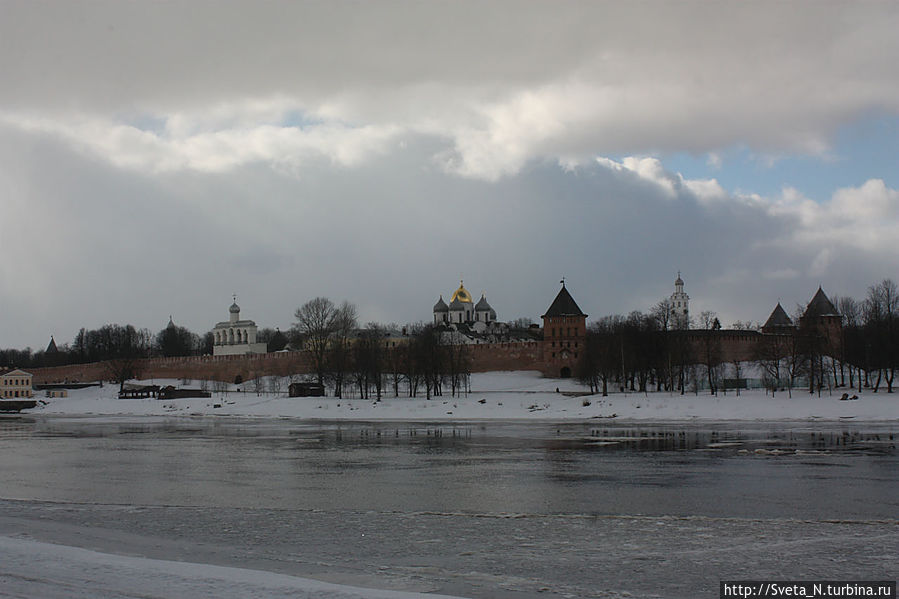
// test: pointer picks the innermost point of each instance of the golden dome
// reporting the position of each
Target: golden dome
(461, 294)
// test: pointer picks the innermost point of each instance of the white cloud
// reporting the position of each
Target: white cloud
(652, 170)
(134, 154)
(188, 144)
(821, 264)
(864, 218)
(532, 80)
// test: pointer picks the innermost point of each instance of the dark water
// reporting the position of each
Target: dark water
(494, 509)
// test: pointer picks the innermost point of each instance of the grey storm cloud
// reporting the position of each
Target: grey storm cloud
(503, 81)
(157, 158)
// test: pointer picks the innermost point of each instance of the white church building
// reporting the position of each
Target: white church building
(462, 309)
(234, 337)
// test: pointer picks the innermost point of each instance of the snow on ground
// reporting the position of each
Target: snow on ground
(494, 395)
(35, 569)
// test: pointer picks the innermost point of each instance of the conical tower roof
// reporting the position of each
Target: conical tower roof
(564, 305)
(778, 319)
(820, 306)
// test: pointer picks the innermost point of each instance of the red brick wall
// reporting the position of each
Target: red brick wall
(506, 356)
(733, 345)
(485, 358)
(223, 368)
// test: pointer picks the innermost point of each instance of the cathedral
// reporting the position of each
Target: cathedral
(462, 309)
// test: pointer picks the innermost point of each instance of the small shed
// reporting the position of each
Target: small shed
(171, 392)
(139, 391)
(306, 390)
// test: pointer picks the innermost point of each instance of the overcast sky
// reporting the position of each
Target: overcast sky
(156, 158)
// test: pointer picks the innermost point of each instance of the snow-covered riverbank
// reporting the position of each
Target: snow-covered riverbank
(495, 395)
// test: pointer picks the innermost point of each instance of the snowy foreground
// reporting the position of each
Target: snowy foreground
(494, 396)
(34, 569)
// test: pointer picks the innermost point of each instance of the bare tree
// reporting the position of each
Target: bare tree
(325, 330)
(428, 359)
(127, 348)
(882, 328)
(316, 322)
(774, 354)
(458, 364)
(258, 383)
(850, 312)
(602, 355)
(368, 360)
(711, 348)
(339, 355)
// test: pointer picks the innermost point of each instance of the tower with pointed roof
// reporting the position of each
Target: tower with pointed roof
(779, 323)
(822, 322)
(564, 334)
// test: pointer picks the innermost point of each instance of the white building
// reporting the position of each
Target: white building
(680, 306)
(462, 309)
(15, 384)
(235, 336)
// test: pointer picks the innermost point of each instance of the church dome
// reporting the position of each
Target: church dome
(461, 294)
(679, 281)
(482, 305)
(441, 306)
(457, 304)
(234, 309)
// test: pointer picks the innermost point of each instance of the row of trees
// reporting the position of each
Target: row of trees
(369, 361)
(870, 342)
(635, 352)
(640, 350)
(864, 352)
(98, 345)
(345, 358)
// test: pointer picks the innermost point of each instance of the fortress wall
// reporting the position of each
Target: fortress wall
(506, 356)
(485, 358)
(223, 368)
(732, 345)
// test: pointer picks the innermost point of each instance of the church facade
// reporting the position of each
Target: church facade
(462, 309)
(235, 337)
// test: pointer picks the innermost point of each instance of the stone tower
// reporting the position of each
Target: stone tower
(564, 334)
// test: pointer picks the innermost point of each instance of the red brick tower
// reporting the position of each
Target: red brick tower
(822, 321)
(564, 333)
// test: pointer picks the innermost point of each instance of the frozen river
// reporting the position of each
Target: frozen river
(472, 509)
